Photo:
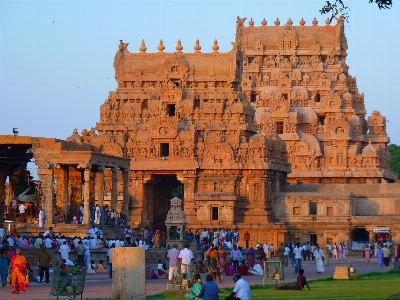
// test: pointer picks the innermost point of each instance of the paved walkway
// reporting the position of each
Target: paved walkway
(99, 286)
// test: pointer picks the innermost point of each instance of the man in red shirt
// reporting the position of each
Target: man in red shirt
(301, 282)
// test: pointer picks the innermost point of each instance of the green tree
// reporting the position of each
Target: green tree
(339, 8)
(395, 161)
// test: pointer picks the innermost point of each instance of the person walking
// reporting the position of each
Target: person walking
(44, 262)
(319, 259)
(109, 258)
(235, 256)
(386, 253)
(64, 251)
(222, 262)
(185, 257)
(367, 254)
(173, 257)
(4, 264)
(80, 251)
(19, 270)
(298, 257)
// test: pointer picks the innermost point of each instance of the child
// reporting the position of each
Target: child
(101, 268)
(93, 265)
(159, 267)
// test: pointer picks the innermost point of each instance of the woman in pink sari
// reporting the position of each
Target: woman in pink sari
(19, 271)
(368, 254)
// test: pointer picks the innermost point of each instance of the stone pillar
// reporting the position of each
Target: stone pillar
(46, 177)
(129, 275)
(100, 190)
(126, 195)
(65, 199)
(3, 177)
(114, 188)
(86, 196)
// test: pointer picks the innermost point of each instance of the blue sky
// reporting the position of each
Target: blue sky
(56, 57)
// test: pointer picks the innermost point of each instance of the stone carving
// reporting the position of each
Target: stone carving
(176, 215)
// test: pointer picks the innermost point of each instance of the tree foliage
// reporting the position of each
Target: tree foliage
(395, 161)
(339, 8)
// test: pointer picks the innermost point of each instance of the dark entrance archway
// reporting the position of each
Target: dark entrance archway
(360, 235)
(160, 190)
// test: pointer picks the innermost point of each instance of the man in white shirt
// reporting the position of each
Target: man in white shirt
(97, 214)
(48, 243)
(22, 213)
(185, 257)
(241, 290)
(205, 236)
(10, 241)
(2, 232)
(109, 259)
(319, 259)
(64, 251)
(93, 243)
(92, 232)
(266, 249)
(286, 255)
(298, 257)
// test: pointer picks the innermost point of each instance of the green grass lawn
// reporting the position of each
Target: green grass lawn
(372, 285)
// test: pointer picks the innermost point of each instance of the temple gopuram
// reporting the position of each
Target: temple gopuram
(272, 137)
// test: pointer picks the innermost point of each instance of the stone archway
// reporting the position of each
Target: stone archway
(159, 191)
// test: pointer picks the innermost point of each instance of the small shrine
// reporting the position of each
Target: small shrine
(176, 223)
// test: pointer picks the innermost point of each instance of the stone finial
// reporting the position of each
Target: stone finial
(161, 46)
(277, 22)
(251, 22)
(328, 22)
(179, 46)
(264, 22)
(142, 47)
(197, 47)
(315, 22)
(215, 47)
(289, 22)
(75, 132)
(302, 22)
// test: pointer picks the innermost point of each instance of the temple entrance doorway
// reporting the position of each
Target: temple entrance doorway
(160, 190)
(313, 239)
(360, 235)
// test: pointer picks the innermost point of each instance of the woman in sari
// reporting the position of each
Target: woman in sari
(195, 290)
(367, 254)
(380, 256)
(156, 240)
(251, 258)
(14, 232)
(19, 273)
(221, 264)
(211, 260)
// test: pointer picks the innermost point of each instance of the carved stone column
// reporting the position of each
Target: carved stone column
(126, 195)
(86, 196)
(3, 176)
(65, 199)
(46, 176)
(114, 188)
(100, 190)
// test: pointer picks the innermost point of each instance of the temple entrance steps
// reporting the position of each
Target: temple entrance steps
(69, 230)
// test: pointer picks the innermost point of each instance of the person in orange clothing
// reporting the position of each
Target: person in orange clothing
(19, 273)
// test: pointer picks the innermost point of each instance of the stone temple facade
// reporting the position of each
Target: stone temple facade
(271, 137)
